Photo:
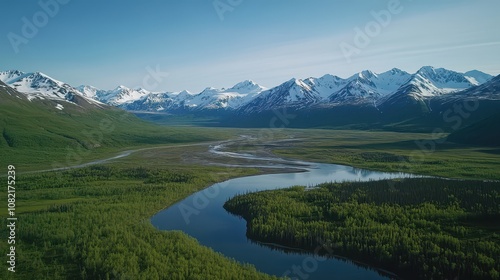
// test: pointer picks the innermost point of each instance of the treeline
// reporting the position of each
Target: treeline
(422, 228)
(93, 223)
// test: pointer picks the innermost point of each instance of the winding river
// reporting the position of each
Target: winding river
(202, 216)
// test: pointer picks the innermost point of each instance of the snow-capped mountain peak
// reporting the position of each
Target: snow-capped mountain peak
(247, 86)
(183, 94)
(444, 78)
(38, 85)
(397, 71)
(429, 82)
(432, 81)
(10, 75)
(292, 93)
(234, 97)
(329, 78)
(367, 86)
(299, 83)
(478, 77)
(209, 90)
(90, 91)
(121, 95)
(367, 74)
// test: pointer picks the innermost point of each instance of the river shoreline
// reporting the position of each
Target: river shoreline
(214, 227)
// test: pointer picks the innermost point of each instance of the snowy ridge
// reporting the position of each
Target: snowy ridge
(325, 85)
(429, 82)
(115, 97)
(293, 93)
(392, 87)
(37, 85)
(209, 99)
(444, 81)
(367, 87)
(486, 91)
(477, 77)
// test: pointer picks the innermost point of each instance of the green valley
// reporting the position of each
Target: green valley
(93, 222)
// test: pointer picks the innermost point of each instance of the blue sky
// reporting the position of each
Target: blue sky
(202, 43)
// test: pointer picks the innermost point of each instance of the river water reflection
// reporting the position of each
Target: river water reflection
(202, 216)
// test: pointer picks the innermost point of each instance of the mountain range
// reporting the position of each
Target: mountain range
(466, 105)
(42, 87)
(385, 91)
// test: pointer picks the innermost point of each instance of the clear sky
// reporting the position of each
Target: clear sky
(202, 43)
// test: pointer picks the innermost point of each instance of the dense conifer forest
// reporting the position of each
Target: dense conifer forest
(93, 223)
(423, 228)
